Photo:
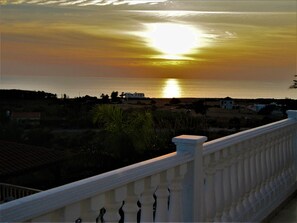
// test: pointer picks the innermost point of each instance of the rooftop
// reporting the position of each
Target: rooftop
(16, 158)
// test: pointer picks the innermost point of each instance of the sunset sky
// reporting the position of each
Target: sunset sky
(207, 40)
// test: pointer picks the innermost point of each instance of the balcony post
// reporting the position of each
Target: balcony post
(193, 191)
(292, 114)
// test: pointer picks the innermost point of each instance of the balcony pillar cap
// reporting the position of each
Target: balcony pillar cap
(189, 139)
(292, 114)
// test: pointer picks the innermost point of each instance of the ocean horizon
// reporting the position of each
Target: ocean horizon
(152, 87)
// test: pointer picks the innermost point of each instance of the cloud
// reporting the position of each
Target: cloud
(102, 40)
(83, 2)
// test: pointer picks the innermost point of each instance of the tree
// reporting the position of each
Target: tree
(174, 101)
(105, 98)
(267, 110)
(114, 96)
(127, 134)
(234, 123)
(199, 107)
(294, 85)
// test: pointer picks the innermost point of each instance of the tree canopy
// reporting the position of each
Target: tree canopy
(130, 133)
(294, 85)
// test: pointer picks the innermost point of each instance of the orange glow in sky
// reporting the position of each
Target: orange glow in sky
(205, 40)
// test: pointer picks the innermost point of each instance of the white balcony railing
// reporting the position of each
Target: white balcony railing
(10, 192)
(241, 177)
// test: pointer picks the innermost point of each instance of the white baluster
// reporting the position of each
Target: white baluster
(162, 196)
(131, 208)
(278, 167)
(210, 201)
(290, 157)
(241, 183)
(276, 161)
(253, 149)
(293, 153)
(274, 167)
(269, 161)
(269, 167)
(91, 208)
(263, 168)
(72, 212)
(282, 167)
(247, 179)
(285, 158)
(236, 209)
(175, 205)
(219, 190)
(286, 174)
(258, 167)
(293, 115)
(272, 159)
(87, 215)
(114, 200)
(147, 198)
(227, 185)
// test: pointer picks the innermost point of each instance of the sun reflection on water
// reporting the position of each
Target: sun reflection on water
(172, 88)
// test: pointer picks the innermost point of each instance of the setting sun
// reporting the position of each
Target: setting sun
(173, 40)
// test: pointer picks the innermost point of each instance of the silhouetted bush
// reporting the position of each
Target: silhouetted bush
(174, 101)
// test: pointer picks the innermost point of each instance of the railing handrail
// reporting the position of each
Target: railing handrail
(47, 201)
(19, 187)
(189, 148)
(221, 143)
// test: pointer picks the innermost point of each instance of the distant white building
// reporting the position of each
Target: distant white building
(134, 95)
(227, 103)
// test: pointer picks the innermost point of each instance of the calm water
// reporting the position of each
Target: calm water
(157, 87)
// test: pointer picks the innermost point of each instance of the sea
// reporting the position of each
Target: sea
(152, 87)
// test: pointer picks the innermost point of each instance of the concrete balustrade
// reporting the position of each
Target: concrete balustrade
(241, 177)
(11, 192)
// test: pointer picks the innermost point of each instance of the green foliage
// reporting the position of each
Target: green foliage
(140, 129)
(126, 134)
(234, 123)
(38, 137)
(199, 107)
(153, 102)
(267, 110)
(11, 132)
(177, 123)
(111, 117)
